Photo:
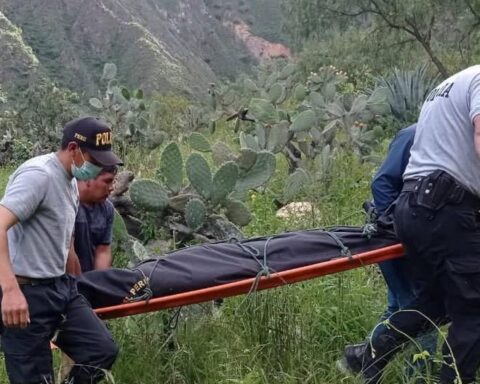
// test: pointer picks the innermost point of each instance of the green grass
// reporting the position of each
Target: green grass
(4, 174)
(288, 335)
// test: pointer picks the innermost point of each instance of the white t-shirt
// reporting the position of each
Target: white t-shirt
(445, 131)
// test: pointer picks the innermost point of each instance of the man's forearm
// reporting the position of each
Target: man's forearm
(73, 266)
(7, 277)
(476, 137)
(103, 257)
(8, 281)
(15, 311)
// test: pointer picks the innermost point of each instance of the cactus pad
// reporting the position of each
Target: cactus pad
(224, 182)
(148, 195)
(199, 142)
(276, 93)
(171, 167)
(179, 202)
(304, 121)
(263, 110)
(199, 174)
(195, 214)
(246, 159)
(221, 153)
(278, 137)
(237, 212)
(295, 183)
(259, 173)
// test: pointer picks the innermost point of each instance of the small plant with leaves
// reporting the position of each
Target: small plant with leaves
(407, 90)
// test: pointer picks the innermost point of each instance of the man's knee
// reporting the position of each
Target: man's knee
(110, 352)
(92, 369)
(103, 356)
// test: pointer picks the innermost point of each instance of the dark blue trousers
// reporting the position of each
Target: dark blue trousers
(57, 311)
(401, 294)
(443, 256)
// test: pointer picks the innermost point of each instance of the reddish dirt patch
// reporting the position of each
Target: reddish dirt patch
(259, 47)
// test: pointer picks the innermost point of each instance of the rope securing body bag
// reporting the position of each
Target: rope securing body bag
(209, 265)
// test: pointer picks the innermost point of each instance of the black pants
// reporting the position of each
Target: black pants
(443, 256)
(57, 309)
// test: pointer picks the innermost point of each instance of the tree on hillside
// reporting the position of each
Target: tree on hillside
(433, 24)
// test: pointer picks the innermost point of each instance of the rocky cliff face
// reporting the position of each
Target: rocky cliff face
(165, 45)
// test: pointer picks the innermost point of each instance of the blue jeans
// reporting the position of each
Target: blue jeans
(400, 295)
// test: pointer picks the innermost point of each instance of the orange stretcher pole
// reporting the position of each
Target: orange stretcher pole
(244, 286)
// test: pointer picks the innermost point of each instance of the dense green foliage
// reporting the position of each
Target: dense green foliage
(31, 123)
(443, 32)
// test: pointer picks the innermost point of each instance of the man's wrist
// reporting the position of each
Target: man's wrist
(10, 284)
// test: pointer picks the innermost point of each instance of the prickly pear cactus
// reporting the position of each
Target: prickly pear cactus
(109, 71)
(295, 183)
(300, 92)
(260, 136)
(250, 86)
(249, 141)
(195, 214)
(155, 139)
(171, 167)
(246, 159)
(304, 121)
(179, 202)
(378, 101)
(199, 142)
(263, 110)
(120, 233)
(237, 212)
(287, 71)
(276, 94)
(224, 182)
(261, 171)
(278, 136)
(199, 175)
(221, 153)
(323, 163)
(149, 195)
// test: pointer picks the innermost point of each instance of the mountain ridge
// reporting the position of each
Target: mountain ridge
(164, 45)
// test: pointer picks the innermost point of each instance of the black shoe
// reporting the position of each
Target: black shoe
(354, 357)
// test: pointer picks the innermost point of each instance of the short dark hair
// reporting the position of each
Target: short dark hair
(113, 169)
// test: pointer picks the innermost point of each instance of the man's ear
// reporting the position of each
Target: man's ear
(72, 148)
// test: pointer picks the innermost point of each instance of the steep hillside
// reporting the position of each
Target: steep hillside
(16, 58)
(166, 45)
